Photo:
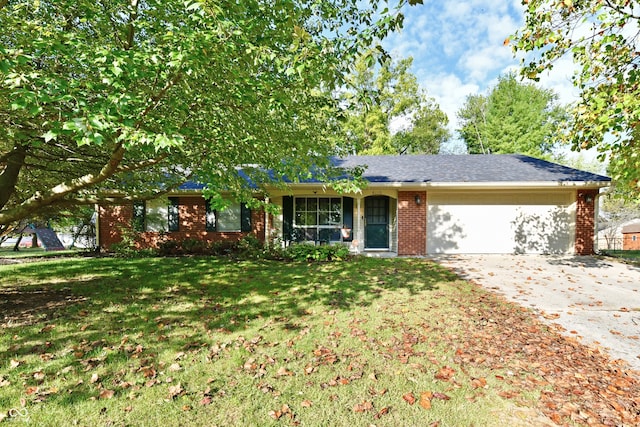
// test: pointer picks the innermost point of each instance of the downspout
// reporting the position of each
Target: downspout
(596, 214)
(97, 210)
(267, 231)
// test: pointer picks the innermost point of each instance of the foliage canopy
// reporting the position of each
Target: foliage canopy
(104, 95)
(601, 37)
(388, 93)
(514, 117)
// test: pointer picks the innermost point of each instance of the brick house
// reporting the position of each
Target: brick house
(631, 237)
(412, 205)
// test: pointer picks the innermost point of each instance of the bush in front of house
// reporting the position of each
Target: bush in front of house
(249, 247)
(306, 252)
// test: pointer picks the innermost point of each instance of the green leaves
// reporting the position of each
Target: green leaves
(513, 118)
(377, 97)
(120, 86)
(608, 111)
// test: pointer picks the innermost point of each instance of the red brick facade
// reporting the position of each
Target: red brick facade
(192, 212)
(631, 241)
(412, 223)
(585, 221)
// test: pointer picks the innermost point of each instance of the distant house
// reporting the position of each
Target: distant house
(631, 237)
(412, 206)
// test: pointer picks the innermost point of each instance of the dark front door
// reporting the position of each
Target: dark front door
(376, 215)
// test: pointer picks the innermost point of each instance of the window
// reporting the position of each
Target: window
(139, 210)
(236, 217)
(633, 238)
(318, 218)
(173, 214)
(156, 215)
(229, 218)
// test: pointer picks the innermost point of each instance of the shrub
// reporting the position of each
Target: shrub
(307, 252)
(169, 247)
(223, 247)
(194, 246)
(250, 247)
(126, 248)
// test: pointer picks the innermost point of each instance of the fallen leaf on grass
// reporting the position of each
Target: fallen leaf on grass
(440, 396)
(409, 398)
(284, 372)
(478, 382)
(425, 399)
(175, 391)
(381, 412)
(445, 373)
(284, 410)
(106, 394)
(365, 406)
(47, 328)
(94, 379)
(306, 404)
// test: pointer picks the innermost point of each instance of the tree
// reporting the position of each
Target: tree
(104, 100)
(615, 213)
(601, 37)
(514, 117)
(390, 93)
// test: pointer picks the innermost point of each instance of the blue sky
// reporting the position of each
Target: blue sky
(458, 49)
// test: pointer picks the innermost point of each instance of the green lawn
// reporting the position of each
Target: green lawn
(206, 341)
(632, 257)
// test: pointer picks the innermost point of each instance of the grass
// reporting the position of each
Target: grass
(631, 256)
(8, 252)
(205, 341)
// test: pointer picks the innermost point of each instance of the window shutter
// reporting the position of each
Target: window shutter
(173, 214)
(287, 218)
(245, 218)
(347, 215)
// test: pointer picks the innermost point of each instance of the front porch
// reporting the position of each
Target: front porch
(366, 223)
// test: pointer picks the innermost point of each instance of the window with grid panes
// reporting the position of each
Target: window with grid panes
(318, 218)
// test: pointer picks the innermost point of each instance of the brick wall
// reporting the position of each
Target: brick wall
(628, 244)
(412, 223)
(585, 221)
(192, 211)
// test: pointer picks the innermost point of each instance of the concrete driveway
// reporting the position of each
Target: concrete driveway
(594, 299)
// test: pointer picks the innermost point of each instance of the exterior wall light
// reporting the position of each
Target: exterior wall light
(418, 200)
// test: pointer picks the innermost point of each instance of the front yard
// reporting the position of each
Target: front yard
(206, 341)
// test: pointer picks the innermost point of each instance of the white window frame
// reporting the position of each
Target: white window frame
(331, 225)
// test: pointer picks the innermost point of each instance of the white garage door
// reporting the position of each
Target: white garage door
(490, 222)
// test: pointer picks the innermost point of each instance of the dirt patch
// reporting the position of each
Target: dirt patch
(21, 307)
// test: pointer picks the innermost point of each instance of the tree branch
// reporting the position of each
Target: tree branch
(59, 192)
(130, 28)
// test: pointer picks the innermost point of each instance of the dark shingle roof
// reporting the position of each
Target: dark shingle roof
(465, 168)
(472, 168)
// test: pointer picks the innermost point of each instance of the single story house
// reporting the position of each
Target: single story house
(631, 237)
(412, 206)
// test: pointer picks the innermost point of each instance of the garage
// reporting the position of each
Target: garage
(501, 222)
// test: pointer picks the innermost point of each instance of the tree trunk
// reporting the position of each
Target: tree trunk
(14, 160)
(16, 247)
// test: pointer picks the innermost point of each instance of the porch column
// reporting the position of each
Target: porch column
(585, 221)
(412, 223)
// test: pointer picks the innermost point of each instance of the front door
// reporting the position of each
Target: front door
(376, 216)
